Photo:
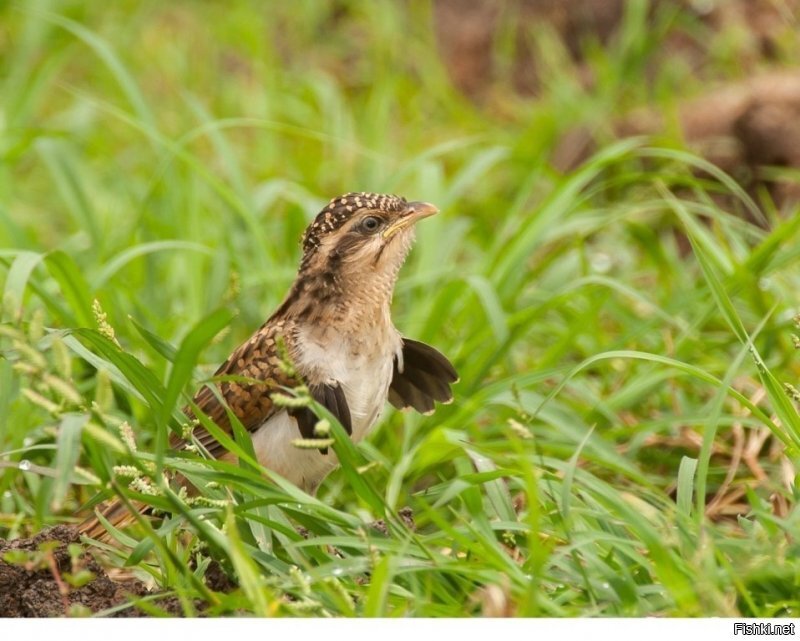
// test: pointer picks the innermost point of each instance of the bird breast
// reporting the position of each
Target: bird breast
(362, 364)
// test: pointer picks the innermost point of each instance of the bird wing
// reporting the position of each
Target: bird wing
(262, 360)
(424, 377)
(332, 397)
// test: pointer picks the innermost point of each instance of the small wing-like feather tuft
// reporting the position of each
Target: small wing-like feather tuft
(332, 398)
(425, 378)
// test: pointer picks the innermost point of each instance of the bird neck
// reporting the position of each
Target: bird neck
(346, 301)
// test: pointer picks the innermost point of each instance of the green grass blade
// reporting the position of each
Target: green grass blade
(686, 474)
(183, 366)
(17, 280)
(73, 286)
(68, 443)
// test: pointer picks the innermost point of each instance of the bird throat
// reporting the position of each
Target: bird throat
(350, 295)
(342, 299)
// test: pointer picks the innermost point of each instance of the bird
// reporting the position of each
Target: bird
(335, 329)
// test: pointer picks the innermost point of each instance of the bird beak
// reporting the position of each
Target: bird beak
(410, 215)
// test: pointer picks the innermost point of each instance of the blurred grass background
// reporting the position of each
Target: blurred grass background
(623, 441)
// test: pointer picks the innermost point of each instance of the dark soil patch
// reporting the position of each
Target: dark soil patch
(406, 516)
(34, 582)
(217, 579)
(37, 579)
(467, 31)
(742, 126)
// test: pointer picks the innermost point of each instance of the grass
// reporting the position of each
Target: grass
(621, 442)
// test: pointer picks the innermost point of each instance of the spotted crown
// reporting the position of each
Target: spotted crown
(340, 209)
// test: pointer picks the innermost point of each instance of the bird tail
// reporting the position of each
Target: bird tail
(117, 513)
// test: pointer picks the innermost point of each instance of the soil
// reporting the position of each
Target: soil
(467, 31)
(34, 576)
(741, 126)
(35, 586)
(406, 516)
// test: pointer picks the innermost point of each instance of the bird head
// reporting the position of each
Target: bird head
(352, 253)
(361, 235)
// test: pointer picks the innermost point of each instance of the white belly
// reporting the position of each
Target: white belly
(365, 377)
(272, 443)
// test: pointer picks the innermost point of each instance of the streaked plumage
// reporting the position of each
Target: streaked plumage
(335, 328)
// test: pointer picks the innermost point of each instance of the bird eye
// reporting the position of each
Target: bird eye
(370, 224)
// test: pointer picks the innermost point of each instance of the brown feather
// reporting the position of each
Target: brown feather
(116, 513)
(258, 359)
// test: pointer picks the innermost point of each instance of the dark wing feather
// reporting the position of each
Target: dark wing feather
(426, 377)
(333, 399)
(420, 356)
(337, 405)
(403, 394)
